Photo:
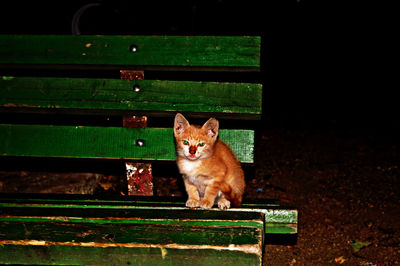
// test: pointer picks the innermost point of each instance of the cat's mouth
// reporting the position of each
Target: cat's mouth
(192, 157)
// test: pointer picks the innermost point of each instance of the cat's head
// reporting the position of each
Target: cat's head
(195, 142)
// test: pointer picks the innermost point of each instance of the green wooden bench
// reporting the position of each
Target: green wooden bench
(44, 229)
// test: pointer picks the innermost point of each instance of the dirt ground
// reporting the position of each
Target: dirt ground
(344, 183)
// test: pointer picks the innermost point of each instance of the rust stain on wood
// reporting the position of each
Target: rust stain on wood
(132, 74)
(134, 121)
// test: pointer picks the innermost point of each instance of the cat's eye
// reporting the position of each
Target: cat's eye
(201, 144)
(185, 142)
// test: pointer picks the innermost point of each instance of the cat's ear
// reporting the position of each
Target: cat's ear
(180, 124)
(211, 127)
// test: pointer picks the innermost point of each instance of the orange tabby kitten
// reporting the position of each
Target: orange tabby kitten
(211, 171)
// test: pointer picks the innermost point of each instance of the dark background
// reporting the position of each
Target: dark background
(324, 63)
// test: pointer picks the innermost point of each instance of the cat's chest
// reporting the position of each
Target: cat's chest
(189, 168)
(194, 173)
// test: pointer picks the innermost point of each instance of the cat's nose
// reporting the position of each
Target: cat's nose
(192, 149)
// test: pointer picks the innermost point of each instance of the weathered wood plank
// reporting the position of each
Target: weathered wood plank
(92, 213)
(119, 231)
(106, 142)
(70, 233)
(227, 53)
(104, 95)
(75, 254)
(277, 220)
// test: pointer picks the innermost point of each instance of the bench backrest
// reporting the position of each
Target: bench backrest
(105, 96)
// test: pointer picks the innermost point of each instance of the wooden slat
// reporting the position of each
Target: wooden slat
(241, 100)
(125, 231)
(106, 142)
(70, 234)
(277, 220)
(225, 53)
(76, 254)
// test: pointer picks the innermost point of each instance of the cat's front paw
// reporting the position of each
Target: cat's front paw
(206, 204)
(224, 204)
(192, 203)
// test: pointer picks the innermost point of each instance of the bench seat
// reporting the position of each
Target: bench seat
(83, 230)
